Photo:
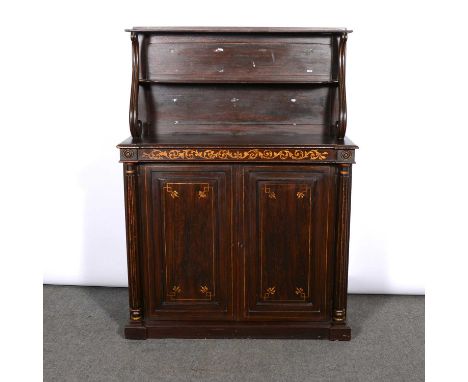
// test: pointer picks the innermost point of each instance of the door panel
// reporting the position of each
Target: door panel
(187, 241)
(287, 234)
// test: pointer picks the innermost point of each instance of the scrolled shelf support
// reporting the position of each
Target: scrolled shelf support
(342, 109)
(135, 123)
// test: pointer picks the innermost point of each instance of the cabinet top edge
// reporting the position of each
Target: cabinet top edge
(143, 143)
(294, 30)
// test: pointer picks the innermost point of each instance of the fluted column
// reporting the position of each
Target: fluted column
(131, 218)
(342, 244)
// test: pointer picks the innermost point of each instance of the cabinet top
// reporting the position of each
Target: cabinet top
(237, 30)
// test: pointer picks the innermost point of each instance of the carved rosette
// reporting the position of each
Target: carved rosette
(346, 156)
(128, 155)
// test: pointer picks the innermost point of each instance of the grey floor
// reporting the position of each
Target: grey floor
(83, 342)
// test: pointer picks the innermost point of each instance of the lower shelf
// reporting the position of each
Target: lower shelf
(184, 329)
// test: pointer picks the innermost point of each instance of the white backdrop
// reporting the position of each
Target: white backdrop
(85, 60)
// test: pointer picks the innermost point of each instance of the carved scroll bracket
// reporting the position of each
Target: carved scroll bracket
(135, 123)
(342, 108)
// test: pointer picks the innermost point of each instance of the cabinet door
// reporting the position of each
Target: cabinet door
(187, 242)
(288, 231)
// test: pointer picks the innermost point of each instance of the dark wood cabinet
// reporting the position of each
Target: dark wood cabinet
(237, 183)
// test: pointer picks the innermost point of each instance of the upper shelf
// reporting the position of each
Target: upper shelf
(237, 30)
(177, 79)
(256, 59)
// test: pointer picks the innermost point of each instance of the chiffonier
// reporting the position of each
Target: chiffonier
(237, 182)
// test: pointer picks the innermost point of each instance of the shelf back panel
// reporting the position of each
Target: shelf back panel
(241, 58)
(234, 108)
